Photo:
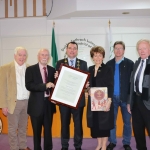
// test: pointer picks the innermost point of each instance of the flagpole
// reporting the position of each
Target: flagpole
(110, 39)
(109, 23)
(53, 24)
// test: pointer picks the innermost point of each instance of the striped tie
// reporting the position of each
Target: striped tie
(72, 65)
(138, 77)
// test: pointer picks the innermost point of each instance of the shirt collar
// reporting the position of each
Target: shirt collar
(144, 59)
(118, 62)
(18, 66)
(72, 59)
(41, 66)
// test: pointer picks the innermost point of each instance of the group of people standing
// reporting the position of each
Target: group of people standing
(25, 90)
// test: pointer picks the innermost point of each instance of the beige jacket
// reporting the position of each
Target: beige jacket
(8, 87)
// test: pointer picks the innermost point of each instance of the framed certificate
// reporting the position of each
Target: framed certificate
(69, 86)
(99, 97)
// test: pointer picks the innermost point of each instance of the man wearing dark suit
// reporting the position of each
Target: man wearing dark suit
(39, 80)
(139, 101)
(65, 111)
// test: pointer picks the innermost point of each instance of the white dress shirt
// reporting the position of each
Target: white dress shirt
(22, 92)
(141, 76)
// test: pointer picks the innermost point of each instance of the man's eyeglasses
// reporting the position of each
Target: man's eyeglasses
(118, 48)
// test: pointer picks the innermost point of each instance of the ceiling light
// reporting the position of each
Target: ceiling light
(125, 13)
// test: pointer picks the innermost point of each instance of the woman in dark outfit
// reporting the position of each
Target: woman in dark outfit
(100, 122)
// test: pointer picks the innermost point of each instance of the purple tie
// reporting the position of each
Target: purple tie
(46, 79)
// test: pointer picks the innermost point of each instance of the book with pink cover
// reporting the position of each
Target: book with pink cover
(99, 98)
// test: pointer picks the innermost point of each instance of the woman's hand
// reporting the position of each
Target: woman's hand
(108, 104)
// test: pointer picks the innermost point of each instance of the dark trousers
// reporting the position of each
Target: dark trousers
(44, 120)
(140, 122)
(65, 113)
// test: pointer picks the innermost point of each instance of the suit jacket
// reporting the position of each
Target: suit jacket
(37, 88)
(125, 70)
(145, 85)
(8, 87)
(104, 78)
(80, 64)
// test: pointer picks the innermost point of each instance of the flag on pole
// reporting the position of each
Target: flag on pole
(110, 41)
(53, 48)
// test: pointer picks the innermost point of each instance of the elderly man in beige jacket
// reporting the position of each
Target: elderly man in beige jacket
(14, 99)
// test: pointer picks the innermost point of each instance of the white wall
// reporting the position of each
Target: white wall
(35, 33)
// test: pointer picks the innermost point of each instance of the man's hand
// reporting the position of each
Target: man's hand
(56, 74)
(87, 84)
(49, 85)
(5, 111)
(89, 91)
(128, 108)
(53, 102)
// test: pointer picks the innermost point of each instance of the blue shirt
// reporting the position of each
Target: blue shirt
(74, 61)
(117, 78)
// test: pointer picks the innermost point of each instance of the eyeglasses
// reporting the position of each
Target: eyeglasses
(118, 48)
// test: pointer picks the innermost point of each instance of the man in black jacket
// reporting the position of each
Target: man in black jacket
(139, 102)
(65, 111)
(39, 80)
(122, 68)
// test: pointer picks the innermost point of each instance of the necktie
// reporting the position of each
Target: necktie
(72, 61)
(46, 79)
(138, 77)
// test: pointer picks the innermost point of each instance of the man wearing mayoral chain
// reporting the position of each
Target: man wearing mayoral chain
(66, 111)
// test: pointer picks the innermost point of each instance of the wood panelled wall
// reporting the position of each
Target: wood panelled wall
(14, 4)
(57, 125)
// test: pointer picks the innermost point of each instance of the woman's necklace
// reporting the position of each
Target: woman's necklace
(97, 67)
(96, 70)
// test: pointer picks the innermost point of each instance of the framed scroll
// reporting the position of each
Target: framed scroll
(69, 86)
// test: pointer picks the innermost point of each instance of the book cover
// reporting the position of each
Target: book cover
(99, 98)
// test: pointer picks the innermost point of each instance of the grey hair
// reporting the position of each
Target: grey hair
(18, 49)
(42, 50)
(142, 40)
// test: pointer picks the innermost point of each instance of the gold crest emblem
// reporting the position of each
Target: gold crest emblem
(78, 64)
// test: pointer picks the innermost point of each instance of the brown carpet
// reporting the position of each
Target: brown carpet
(88, 143)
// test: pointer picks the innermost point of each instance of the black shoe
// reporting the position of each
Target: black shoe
(64, 148)
(78, 149)
(111, 146)
(127, 147)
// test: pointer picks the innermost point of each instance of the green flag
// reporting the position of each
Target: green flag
(54, 50)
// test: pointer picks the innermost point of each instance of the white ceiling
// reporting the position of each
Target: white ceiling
(88, 9)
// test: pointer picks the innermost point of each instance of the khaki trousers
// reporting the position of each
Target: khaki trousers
(17, 126)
